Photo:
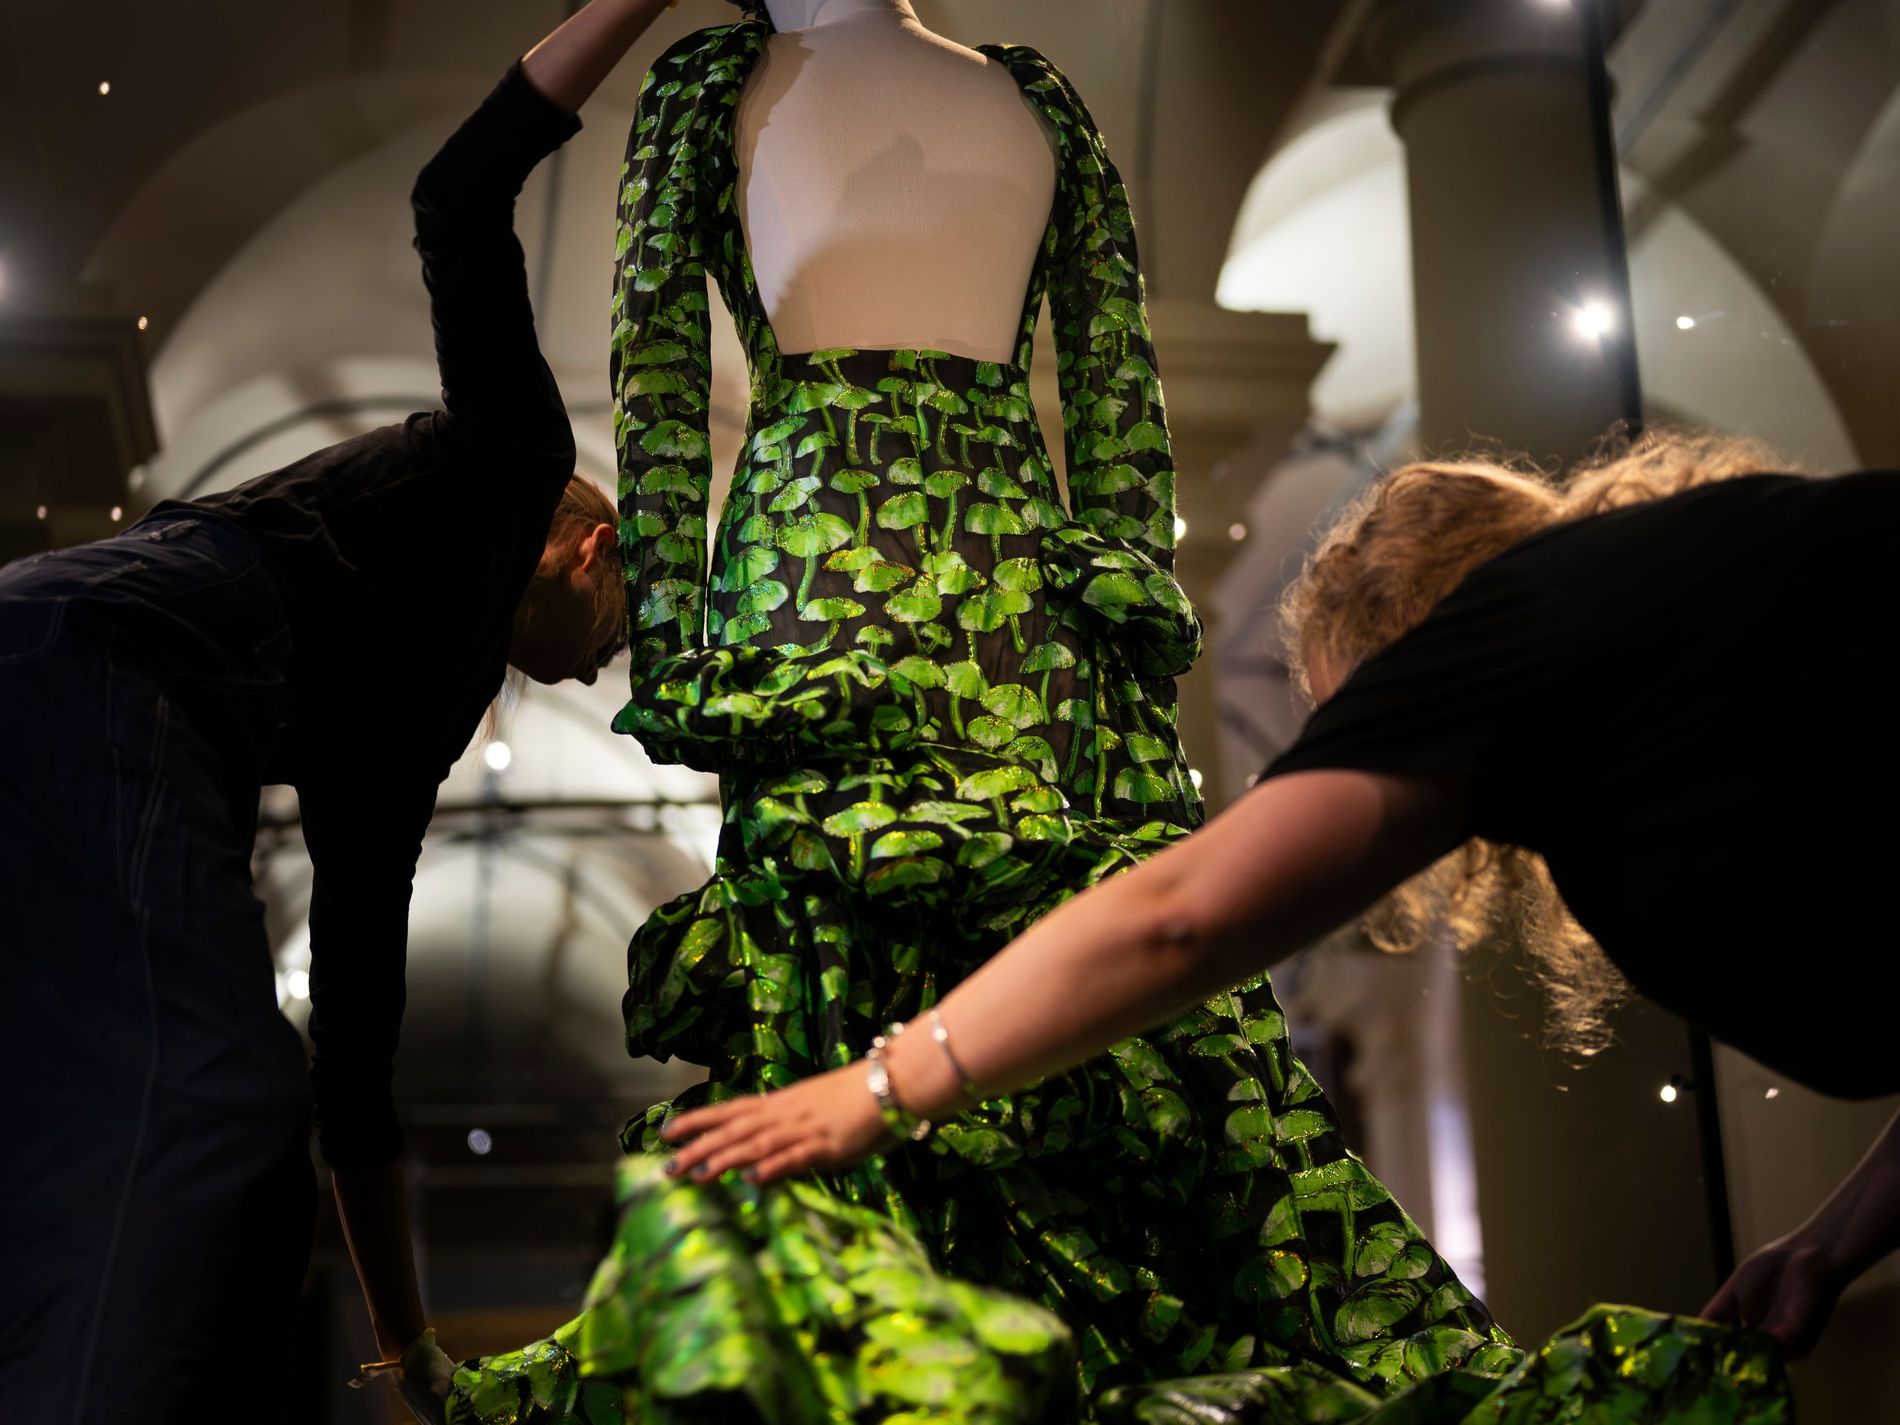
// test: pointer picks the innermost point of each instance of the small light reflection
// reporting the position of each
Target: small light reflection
(1593, 321)
(479, 1143)
(1667, 1093)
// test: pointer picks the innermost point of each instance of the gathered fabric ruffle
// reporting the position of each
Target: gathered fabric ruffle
(1149, 615)
(979, 845)
(722, 1304)
(756, 708)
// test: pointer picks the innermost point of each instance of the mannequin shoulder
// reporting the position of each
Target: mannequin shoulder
(1046, 86)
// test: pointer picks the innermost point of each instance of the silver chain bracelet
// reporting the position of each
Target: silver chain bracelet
(902, 1123)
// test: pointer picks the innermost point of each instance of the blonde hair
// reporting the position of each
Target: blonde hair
(1398, 550)
(583, 507)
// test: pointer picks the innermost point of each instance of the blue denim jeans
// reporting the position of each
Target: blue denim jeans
(156, 1196)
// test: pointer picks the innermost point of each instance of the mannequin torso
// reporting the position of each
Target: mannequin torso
(894, 187)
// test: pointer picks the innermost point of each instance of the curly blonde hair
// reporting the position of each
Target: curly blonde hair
(1393, 554)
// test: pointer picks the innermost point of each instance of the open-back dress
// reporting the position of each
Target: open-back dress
(938, 698)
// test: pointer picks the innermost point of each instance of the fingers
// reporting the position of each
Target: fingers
(700, 1120)
(788, 1162)
(748, 1152)
(1724, 1306)
(735, 1129)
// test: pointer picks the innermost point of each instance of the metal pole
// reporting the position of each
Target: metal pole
(1621, 345)
(1622, 350)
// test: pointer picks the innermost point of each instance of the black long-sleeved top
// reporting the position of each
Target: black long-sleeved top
(401, 556)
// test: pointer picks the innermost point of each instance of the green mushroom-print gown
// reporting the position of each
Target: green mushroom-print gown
(938, 699)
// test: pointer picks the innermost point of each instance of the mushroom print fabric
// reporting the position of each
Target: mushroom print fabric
(938, 699)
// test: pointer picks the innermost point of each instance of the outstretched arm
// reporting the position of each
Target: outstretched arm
(503, 400)
(1789, 1287)
(1295, 857)
(569, 65)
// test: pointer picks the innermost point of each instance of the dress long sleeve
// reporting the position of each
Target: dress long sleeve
(691, 700)
(1120, 552)
(661, 369)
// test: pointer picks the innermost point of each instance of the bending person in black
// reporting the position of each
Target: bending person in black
(342, 625)
(1663, 688)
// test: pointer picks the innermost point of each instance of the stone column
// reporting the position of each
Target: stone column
(1509, 242)
(1235, 382)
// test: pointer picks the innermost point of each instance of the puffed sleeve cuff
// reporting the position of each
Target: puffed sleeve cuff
(1153, 617)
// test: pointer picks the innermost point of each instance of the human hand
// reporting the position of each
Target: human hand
(425, 1380)
(1787, 1289)
(817, 1125)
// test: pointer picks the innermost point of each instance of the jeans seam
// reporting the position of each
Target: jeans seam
(134, 887)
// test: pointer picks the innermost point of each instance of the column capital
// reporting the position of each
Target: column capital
(1414, 44)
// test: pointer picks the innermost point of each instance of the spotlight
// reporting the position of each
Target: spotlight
(105, 86)
(1236, 532)
(40, 513)
(1593, 321)
(1772, 1093)
(1180, 527)
(1667, 1093)
(498, 756)
(118, 513)
(1685, 323)
(479, 1143)
(298, 983)
(144, 322)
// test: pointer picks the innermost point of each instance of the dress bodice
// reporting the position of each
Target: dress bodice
(895, 520)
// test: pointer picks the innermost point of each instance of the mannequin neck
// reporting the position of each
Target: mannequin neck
(788, 15)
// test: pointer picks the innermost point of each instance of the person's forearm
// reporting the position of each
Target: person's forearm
(1291, 860)
(569, 65)
(374, 1207)
(1860, 1223)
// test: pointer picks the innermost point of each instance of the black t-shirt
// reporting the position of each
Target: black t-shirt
(401, 557)
(1683, 707)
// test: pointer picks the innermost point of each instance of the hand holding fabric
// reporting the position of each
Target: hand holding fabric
(1787, 1290)
(818, 1125)
(427, 1374)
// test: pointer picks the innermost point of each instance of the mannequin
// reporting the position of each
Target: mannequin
(894, 187)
